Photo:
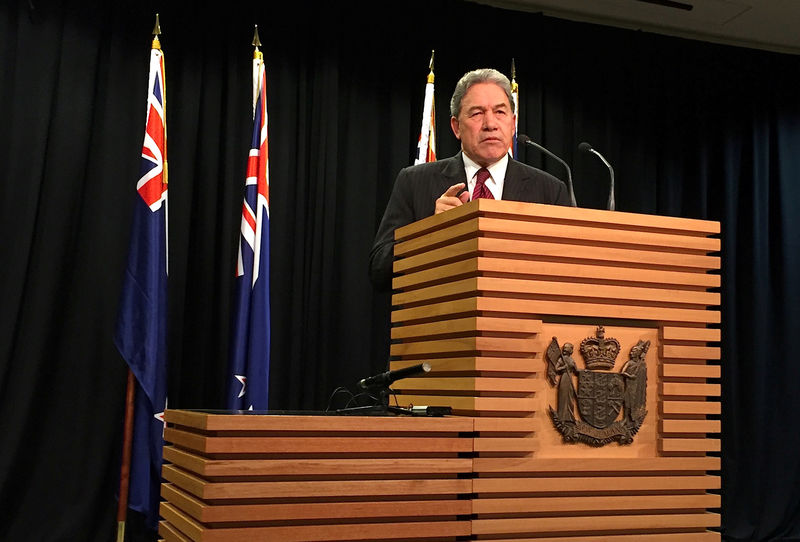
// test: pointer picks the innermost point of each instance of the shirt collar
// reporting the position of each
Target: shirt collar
(497, 171)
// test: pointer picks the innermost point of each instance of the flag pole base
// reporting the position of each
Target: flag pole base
(120, 531)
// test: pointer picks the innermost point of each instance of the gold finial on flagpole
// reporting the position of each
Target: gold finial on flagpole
(514, 86)
(430, 75)
(156, 33)
(256, 43)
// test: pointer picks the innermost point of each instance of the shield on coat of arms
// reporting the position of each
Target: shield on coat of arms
(600, 397)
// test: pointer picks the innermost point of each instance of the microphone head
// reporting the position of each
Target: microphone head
(523, 138)
(584, 146)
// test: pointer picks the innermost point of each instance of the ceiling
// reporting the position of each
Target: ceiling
(773, 25)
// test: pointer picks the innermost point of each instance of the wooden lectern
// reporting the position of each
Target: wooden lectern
(483, 290)
(489, 294)
(249, 477)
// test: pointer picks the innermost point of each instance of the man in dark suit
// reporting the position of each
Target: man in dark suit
(483, 120)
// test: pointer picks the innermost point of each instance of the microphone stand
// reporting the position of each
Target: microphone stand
(588, 148)
(379, 389)
(528, 141)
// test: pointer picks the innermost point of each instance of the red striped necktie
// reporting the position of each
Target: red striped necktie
(481, 190)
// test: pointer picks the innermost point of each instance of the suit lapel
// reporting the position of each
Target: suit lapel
(453, 172)
(514, 184)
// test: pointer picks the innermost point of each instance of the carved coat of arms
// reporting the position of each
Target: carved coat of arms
(601, 394)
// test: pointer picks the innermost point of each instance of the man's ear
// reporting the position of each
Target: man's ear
(454, 127)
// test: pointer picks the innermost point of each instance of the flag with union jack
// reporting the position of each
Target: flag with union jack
(248, 385)
(141, 330)
(426, 147)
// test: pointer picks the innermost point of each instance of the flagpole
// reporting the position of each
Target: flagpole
(130, 397)
(258, 59)
(426, 144)
(515, 106)
(125, 468)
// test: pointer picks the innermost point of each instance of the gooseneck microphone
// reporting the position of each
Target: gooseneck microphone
(528, 141)
(588, 148)
(383, 380)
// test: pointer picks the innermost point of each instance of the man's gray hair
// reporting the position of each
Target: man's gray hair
(484, 75)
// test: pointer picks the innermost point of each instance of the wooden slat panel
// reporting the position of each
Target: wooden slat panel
(477, 324)
(556, 213)
(560, 505)
(599, 234)
(523, 365)
(305, 511)
(561, 308)
(506, 425)
(648, 259)
(446, 236)
(318, 533)
(452, 251)
(317, 489)
(170, 533)
(465, 344)
(596, 465)
(698, 536)
(475, 384)
(181, 522)
(528, 289)
(690, 389)
(464, 404)
(210, 468)
(243, 421)
(436, 310)
(679, 370)
(689, 445)
(514, 444)
(565, 233)
(186, 503)
(644, 522)
(691, 426)
(609, 484)
(577, 272)
(700, 334)
(690, 352)
(187, 460)
(459, 288)
(376, 500)
(691, 407)
(283, 445)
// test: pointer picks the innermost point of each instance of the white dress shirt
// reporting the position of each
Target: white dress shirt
(494, 183)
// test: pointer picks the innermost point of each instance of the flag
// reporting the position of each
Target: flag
(515, 106)
(426, 147)
(141, 330)
(248, 379)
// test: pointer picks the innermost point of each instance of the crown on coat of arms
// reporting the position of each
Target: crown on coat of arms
(600, 352)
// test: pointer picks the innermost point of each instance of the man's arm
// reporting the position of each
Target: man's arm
(562, 195)
(399, 212)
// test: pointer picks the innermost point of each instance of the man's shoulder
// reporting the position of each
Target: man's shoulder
(435, 166)
(452, 167)
(523, 169)
(527, 183)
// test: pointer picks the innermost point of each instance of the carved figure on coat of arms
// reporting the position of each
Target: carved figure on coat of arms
(600, 395)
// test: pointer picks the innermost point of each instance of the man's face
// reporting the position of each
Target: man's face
(485, 124)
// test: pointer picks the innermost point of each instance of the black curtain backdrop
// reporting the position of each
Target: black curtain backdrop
(693, 129)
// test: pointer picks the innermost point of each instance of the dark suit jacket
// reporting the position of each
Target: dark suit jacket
(418, 187)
